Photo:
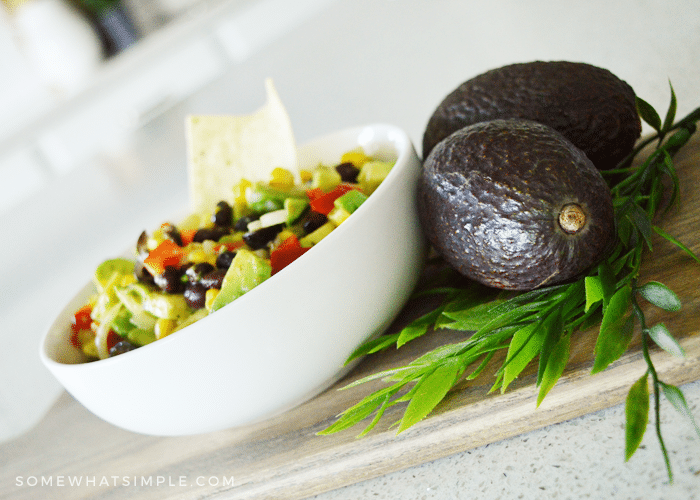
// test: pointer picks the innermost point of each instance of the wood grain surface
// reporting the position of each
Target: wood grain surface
(284, 458)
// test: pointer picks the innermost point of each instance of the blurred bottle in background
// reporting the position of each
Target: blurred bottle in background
(65, 42)
(59, 42)
(113, 23)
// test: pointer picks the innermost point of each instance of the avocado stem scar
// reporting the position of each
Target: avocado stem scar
(572, 218)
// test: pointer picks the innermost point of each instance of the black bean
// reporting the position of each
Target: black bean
(224, 259)
(142, 274)
(213, 234)
(242, 223)
(313, 221)
(141, 244)
(172, 233)
(348, 172)
(169, 281)
(213, 279)
(121, 347)
(223, 215)
(260, 238)
(195, 295)
(194, 273)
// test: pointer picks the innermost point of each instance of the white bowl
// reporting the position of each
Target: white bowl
(284, 341)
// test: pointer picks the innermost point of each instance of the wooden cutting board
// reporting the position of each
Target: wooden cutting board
(283, 458)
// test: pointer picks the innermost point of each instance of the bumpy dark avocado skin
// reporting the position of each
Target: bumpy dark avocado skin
(514, 205)
(589, 105)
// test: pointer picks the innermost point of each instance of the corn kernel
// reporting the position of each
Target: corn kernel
(356, 156)
(209, 298)
(305, 176)
(197, 256)
(202, 252)
(90, 348)
(284, 234)
(281, 178)
(164, 327)
(239, 191)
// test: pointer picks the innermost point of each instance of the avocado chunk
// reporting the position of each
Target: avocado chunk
(294, 209)
(372, 174)
(110, 270)
(515, 205)
(589, 105)
(247, 271)
(350, 201)
(262, 198)
(325, 178)
(317, 235)
(166, 306)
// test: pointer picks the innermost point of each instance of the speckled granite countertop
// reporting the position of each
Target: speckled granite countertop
(577, 459)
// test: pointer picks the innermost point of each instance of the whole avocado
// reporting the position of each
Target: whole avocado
(515, 205)
(589, 105)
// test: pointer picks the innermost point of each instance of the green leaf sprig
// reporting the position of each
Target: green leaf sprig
(540, 323)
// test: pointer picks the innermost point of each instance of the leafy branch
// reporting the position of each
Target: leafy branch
(540, 323)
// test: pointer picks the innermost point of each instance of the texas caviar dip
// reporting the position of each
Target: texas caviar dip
(183, 272)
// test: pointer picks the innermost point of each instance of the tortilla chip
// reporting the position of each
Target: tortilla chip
(223, 150)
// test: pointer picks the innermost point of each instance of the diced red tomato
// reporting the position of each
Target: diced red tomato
(81, 321)
(167, 253)
(112, 339)
(289, 251)
(74, 340)
(314, 193)
(290, 243)
(324, 204)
